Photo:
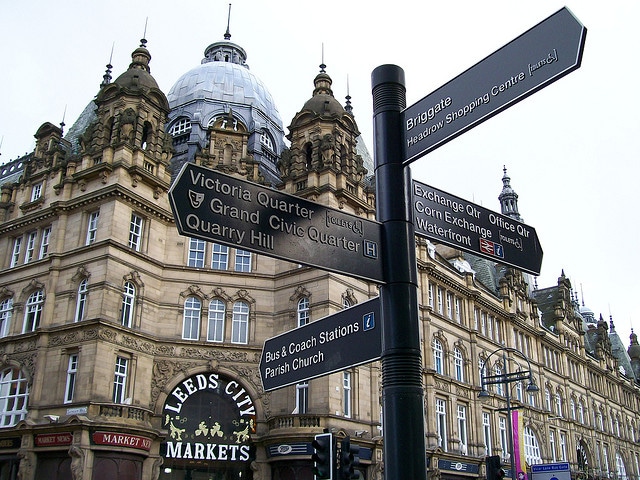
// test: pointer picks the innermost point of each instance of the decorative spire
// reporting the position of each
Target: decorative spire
(348, 108)
(227, 34)
(508, 197)
(322, 65)
(143, 40)
(62, 124)
(106, 78)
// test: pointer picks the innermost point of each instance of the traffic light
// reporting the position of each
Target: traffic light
(349, 459)
(323, 456)
(495, 470)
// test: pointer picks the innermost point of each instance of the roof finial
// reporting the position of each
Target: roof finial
(227, 34)
(322, 65)
(106, 78)
(62, 124)
(143, 40)
(348, 108)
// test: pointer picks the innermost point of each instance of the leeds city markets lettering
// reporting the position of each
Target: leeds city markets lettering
(213, 206)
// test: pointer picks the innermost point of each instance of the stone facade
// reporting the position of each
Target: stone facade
(129, 351)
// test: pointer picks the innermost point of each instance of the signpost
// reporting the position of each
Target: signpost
(551, 471)
(210, 205)
(448, 219)
(538, 57)
(346, 339)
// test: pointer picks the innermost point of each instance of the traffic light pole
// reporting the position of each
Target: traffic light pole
(402, 387)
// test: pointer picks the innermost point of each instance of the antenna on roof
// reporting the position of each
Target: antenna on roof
(143, 40)
(227, 34)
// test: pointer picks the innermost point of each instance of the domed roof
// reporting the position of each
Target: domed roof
(224, 76)
(138, 75)
(323, 102)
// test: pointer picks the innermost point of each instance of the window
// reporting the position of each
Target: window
(81, 301)
(581, 412)
(135, 232)
(128, 304)
(437, 356)
(36, 191)
(191, 319)
(458, 310)
(31, 247)
(181, 126)
(215, 330)
(502, 427)
(499, 386)
(120, 380)
(303, 311)
(196, 253)
(219, 257)
(265, 140)
(558, 402)
(462, 428)
(430, 298)
(15, 255)
(440, 301)
(441, 423)
(302, 398)
(552, 445)
(547, 399)
(519, 391)
(6, 308)
(563, 447)
(620, 468)
(92, 227)
(486, 429)
(459, 364)
(33, 311)
(346, 394)
(44, 242)
(449, 305)
(572, 408)
(531, 447)
(243, 261)
(14, 393)
(72, 371)
(240, 323)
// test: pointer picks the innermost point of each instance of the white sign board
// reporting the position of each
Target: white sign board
(551, 471)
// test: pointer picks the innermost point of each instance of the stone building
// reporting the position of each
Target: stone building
(129, 351)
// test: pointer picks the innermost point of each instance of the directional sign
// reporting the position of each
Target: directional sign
(212, 206)
(538, 57)
(551, 471)
(448, 219)
(348, 338)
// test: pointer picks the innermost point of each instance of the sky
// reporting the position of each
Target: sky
(571, 149)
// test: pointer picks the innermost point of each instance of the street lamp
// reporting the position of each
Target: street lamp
(506, 379)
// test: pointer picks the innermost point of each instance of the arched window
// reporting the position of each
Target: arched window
(438, 354)
(146, 135)
(459, 364)
(531, 447)
(81, 301)
(6, 308)
(303, 311)
(14, 393)
(240, 323)
(497, 371)
(620, 468)
(182, 126)
(547, 399)
(215, 331)
(191, 319)
(33, 311)
(128, 304)
(558, 402)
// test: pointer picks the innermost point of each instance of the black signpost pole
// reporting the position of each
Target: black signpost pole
(402, 387)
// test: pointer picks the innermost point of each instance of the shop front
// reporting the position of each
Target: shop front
(209, 419)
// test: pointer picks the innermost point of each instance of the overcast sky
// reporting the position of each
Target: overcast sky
(571, 149)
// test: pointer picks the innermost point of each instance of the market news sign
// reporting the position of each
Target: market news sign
(345, 339)
(535, 59)
(212, 206)
(448, 219)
